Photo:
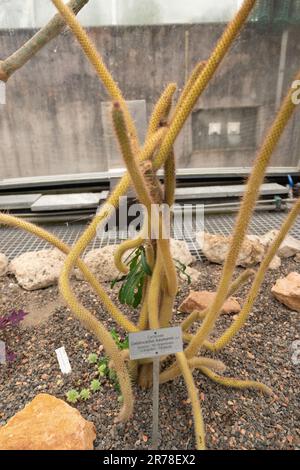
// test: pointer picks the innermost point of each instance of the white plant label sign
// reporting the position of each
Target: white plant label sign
(63, 360)
(2, 353)
(155, 343)
(2, 93)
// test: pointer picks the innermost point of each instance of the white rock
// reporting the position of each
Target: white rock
(3, 264)
(289, 247)
(287, 291)
(275, 263)
(101, 263)
(37, 269)
(215, 248)
(193, 273)
(181, 252)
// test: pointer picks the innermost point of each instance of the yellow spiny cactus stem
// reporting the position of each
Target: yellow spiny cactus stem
(90, 233)
(83, 315)
(193, 395)
(235, 383)
(144, 318)
(154, 295)
(214, 364)
(243, 219)
(98, 64)
(194, 363)
(236, 284)
(272, 250)
(122, 249)
(152, 181)
(169, 266)
(170, 179)
(166, 307)
(132, 166)
(161, 110)
(202, 81)
(190, 82)
(118, 316)
(142, 193)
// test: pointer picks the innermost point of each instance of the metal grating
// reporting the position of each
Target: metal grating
(14, 242)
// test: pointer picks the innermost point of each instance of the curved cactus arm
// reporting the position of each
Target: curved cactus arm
(122, 249)
(202, 81)
(236, 383)
(194, 363)
(153, 294)
(236, 284)
(272, 250)
(83, 315)
(161, 110)
(190, 83)
(170, 179)
(247, 206)
(193, 395)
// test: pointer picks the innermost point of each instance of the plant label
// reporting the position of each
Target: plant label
(63, 360)
(2, 353)
(155, 343)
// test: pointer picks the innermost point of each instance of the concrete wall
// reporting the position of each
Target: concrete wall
(51, 123)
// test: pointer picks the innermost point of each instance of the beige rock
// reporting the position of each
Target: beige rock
(202, 299)
(47, 423)
(192, 272)
(37, 269)
(215, 248)
(287, 291)
(180, 251)
(297, 258)
(275, 263)
(101, 263)
(3, 264)
(289, 247)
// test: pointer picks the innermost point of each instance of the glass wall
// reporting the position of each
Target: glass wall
(56, 119)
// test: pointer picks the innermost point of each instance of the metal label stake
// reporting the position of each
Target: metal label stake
(153, 344)
(155, 399)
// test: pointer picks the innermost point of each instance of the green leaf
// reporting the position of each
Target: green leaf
(144, 263)
(93, 358)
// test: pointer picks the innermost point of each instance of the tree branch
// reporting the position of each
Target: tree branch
(37, 42)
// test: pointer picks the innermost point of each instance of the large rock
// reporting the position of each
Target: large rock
(287, 291)
(101, 263)
(201, 300)
(289, 247)
(37, 269)
(3, 264)
(215, 248)
(47, 423)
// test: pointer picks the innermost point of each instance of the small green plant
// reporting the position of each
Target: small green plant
(92, 358)
(103, 367)
(95, 385)
(122, 344)
(85, 394)
(181, 268)
(72, 396)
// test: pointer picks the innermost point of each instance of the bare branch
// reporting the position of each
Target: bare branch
(37, 42)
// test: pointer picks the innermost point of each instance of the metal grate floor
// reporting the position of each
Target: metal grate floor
(14, 242)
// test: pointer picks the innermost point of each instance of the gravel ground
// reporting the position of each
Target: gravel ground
(234, 419)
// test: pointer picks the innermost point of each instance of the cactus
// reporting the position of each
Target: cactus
(160, 287)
